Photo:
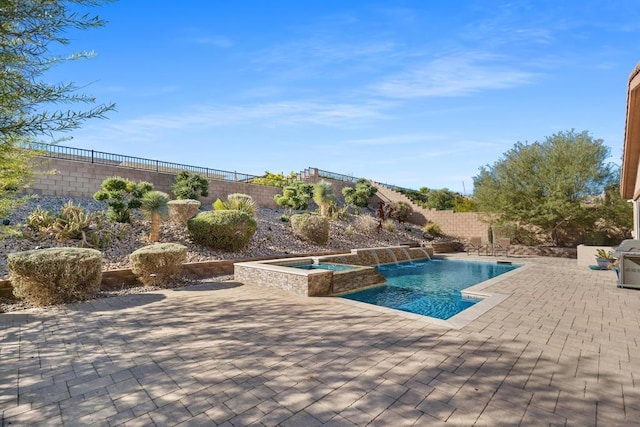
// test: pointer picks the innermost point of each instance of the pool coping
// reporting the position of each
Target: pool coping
(488, 299)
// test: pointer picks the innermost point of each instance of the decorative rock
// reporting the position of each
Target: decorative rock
(273, 237)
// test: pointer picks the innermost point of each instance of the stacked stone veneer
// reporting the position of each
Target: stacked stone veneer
(380, 256)
(82, 179)
(458, 224)
(275, 275)
(278, 274)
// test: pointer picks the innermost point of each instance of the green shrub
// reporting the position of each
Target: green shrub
(311, 227)
(295, 196)
(400, 211)
(190, 185)
(596, 238)
(274, 179)
(360, 194)
(158, 265)
(365, 224)
(55, 275)
(349, 231)
(236, 202)
(522, 235)
(337, 213)
(228, 230)
(121, 195)
(432, 228)
(181, 211)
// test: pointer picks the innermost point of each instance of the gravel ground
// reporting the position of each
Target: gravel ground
(273, 237)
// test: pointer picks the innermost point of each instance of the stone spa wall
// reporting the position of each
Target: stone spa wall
(280, 274)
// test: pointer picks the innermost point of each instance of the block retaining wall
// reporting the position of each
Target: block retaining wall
(81, 179)
(462, 225)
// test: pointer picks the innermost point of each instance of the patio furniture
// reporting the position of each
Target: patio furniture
(475, 244)
(502, 245)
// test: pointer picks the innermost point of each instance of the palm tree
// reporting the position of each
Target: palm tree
(323, 196)
(154, 206)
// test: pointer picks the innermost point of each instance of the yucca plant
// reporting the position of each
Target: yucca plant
(323, 196)
(154, 206)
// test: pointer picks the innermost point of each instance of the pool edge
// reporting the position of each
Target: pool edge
(488, 301)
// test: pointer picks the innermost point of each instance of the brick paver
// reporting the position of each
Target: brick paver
(563, 348)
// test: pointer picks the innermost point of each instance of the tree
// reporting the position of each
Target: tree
(614, 218)
(190, 185)
(15, 174)
(545, 184)
(360, 195)
(29, 30)
(442, 199)
(464, 204)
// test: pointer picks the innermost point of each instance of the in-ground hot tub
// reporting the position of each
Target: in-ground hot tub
(325, 266)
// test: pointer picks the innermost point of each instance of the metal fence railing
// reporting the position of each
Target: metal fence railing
(351, 178)
(104, 158)
(101, 157)
(337, 176)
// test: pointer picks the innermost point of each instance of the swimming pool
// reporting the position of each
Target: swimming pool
(430, 288)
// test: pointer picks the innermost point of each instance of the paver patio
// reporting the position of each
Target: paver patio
(562, 349)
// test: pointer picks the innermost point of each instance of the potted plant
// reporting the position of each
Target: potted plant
(604, 258)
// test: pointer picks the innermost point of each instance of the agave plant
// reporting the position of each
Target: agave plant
(238, 202)
(154, 206)
(72, 223)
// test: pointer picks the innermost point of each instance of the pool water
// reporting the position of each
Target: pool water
(430, 287)
(324, 266)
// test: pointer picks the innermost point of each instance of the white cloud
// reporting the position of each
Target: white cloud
(221, 42)
(318, 57)
(395, 139)
(261, 115)
(454, 75)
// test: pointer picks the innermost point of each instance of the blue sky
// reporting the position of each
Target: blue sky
(411, 93)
